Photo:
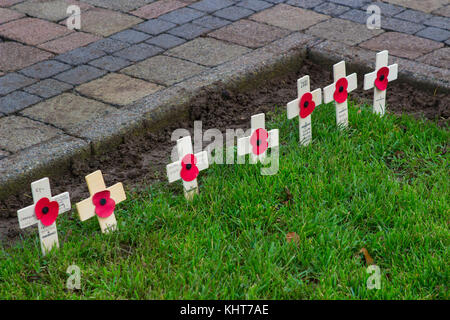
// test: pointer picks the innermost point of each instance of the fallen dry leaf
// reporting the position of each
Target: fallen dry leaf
(292, 236)
(369, 259)
(289, 196)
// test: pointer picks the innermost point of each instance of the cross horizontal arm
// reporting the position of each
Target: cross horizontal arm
(85, 209)
(369, 80)
(243, 146)
(173, 171)
(117, 192)
(317, 96)
(352, 82)
(26, 217)
(202, 160)
(328, 93)
(393, 72)
(273, 138)
(293, 109)
(63, 200)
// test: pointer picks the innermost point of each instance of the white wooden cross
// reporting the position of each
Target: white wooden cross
(48, 234)
(303, 106)
(175, 169)
(87, 208)
(370, 79)
(329, 92)
(244, 145)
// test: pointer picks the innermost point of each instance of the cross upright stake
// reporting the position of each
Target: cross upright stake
(187, 167)
(379, 80)
(303, 107)
(102, 201)
(44, 212)
(338, 92)
(259, 140)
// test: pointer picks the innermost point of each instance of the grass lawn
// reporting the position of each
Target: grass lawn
(383, 184)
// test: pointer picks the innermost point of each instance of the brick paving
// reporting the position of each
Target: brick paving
(53, 80)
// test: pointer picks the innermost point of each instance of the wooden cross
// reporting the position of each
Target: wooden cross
(337, 91)
(259, 140)
(44, 204)
(379, 80)
(102, 201)
(303, 106)
(187, 167)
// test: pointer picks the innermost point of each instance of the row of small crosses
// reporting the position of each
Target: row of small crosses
(102, 200)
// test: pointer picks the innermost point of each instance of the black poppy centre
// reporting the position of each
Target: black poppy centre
(102, 201)
(341, 88)
(45, 210)
(188, 166)
(306, 104)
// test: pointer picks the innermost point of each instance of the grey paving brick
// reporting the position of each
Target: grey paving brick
(352, 3)
(211, 22)
(80, 55)
(387, 9)
(211, 5)
(3, 154)
(255, 5)
(166, 41)
(68, 111)
(80, 74)
(48, 88)
(164, 70)
(413, 16)
(121, 5)
(331, 9)
(355, 15)
(130, 36)
(138, 52)
(401, 25)
(433, 33)
(45, 69)
(17, 133)
(189, 31)
(16, 101)
(307, 4)
(276, 1)
(154, 26)
(108, 45)
(233, 13)
(110, 63)
(13, 81)
(182, 15)
(438, 22)
(208, 51)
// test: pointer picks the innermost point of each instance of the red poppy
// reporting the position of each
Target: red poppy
(46, 211)
(189, 170)
(341, 94)
(307, 105)
(104, 205)
(381, 82)
(259, 141)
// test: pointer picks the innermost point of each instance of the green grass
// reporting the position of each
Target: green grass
(383, 184)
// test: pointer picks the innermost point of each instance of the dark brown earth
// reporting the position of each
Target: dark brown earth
(140, 160)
